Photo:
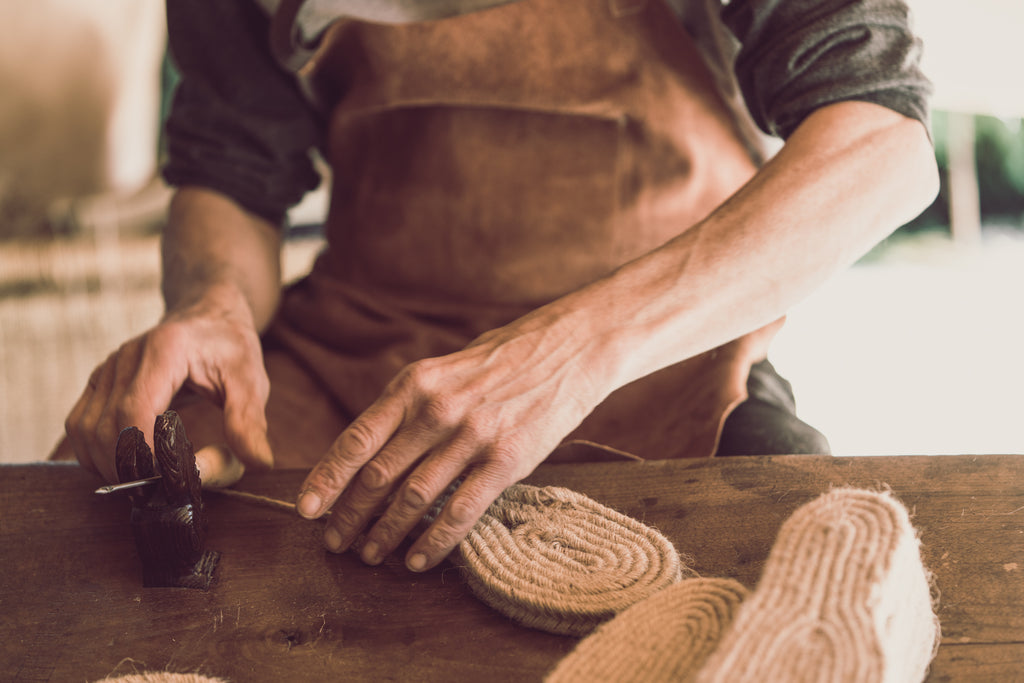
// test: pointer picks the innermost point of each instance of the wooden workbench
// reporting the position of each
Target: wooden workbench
(72, 605)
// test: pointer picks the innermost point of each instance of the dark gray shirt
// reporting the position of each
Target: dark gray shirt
(240, 124)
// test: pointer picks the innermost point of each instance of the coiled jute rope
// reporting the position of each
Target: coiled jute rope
(663, 639)
(844, 597)
(554, 559)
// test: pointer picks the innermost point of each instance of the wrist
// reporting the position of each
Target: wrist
(221, 300)
(594, 336)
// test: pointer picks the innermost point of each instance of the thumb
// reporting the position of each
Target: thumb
(218, 467)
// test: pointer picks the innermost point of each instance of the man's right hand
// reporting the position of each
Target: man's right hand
(213, 348)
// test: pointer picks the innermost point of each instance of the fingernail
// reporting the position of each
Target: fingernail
(309, 504)
(370, 553)
(417, 562)
(332, 539)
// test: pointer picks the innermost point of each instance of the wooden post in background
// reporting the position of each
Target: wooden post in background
(964, 204)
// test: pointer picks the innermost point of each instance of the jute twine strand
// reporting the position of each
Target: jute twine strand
(553, 559)
(257, 500)
(162, 677)
(844, 597)
(556, 560)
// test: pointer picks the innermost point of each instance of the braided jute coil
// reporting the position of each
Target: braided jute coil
(663, 639)
(555, 560)
(844, 598)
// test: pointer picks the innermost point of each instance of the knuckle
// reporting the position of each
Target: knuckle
(385, 531)
(504, 459)
(440, 412)
(106, 429)
(123, 349)
(461, 512)
(443, 536)
(416, 496)
(376, 476)
(359, 438)
(498, 467)
(261, 384)
(345, 519)
(73, 424)
(124, 416)
(474, 429)
(170, 337)
(166, 333)
(419, 375)
(84, 428)
(331, 474)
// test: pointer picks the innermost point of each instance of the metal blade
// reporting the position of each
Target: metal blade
(128, 485)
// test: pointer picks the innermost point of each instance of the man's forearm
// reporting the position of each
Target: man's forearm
(215, 252)
(493, 410)
(850, 175)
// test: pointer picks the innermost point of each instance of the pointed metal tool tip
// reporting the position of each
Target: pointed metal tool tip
(128, 485)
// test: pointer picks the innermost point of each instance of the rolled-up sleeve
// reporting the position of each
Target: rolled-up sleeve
(238, 123)
(799, 55)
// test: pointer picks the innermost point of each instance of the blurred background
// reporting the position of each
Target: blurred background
(915, 350)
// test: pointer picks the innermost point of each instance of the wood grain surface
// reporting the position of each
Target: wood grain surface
(72, 605)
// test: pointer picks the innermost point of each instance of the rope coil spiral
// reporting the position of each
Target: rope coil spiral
(664, 639)
(554, 559)
(844, 597)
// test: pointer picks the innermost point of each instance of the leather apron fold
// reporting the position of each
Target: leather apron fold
(487, 163)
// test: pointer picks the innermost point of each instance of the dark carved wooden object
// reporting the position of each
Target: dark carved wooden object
(168, 520)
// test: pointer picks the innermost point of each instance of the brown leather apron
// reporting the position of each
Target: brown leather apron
(488, 163)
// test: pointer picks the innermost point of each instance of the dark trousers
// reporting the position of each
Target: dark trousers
(766, 423)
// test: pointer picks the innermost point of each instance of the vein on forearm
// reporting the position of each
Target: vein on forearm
(849, 176)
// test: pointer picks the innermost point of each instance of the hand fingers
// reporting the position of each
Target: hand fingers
(73, 424)
(116, 397)
(245, 417)
(370, 488)
(125, 405)
(240, 386)
(414, 499)
(102, 459)
(468, 503)
(350, 451)
(139, 381)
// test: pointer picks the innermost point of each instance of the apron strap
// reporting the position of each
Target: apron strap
(294, 39)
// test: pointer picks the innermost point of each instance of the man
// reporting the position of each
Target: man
(551, 236)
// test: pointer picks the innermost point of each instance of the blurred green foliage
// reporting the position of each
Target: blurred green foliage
(999, 149)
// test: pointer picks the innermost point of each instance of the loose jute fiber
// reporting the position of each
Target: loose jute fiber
(666, 637)
(162, 677)
(556, 560)
(844, 597)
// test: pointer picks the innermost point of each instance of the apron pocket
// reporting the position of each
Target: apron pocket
(477, 202)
